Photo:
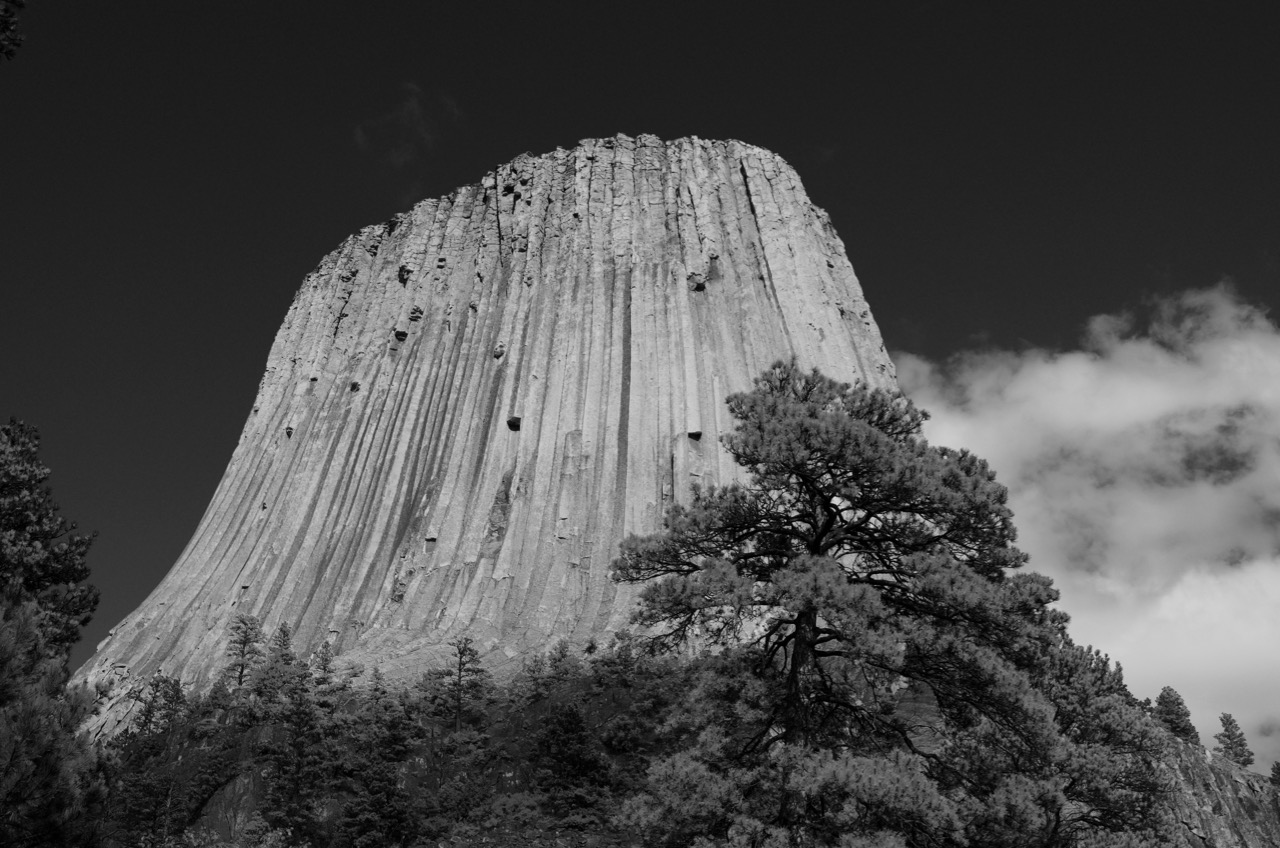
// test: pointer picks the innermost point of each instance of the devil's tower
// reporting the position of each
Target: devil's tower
(469, 406)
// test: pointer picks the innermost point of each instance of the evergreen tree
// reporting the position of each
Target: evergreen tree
(378, 811)
(51, 786)
(297, 754)
(883, 671)
(154, 793)
(1231, 742)
(11, 36)
(161, 706)
(1275, 773)
(281, 648)
(568, 762)
(1109, 750)
(1171, 711)
(322, 664)
(279, 672)
(41, 559)
(458, 693)
(244, 651)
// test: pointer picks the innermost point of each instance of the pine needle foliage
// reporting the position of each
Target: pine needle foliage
(881, 670)
(1171, 711)
(244, 651)
(42, 559)
(51, 783)
(1231, 742)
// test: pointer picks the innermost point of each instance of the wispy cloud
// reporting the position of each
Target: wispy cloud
(403, 137)
(1144, 472)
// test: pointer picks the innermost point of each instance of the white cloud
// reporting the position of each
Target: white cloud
(1144, 474)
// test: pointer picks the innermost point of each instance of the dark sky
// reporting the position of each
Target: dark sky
(170, 171)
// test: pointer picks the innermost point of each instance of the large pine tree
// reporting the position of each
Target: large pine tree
(882, 669)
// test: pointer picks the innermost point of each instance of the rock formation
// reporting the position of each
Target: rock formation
(1220, 804)
(469, 406)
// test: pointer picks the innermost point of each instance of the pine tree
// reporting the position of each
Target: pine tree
(458, 693)
(11, 36)
(568, 762)
(244, 650)
(1275, 773)
(297, 754)
(1171, 711)
(281, 648)
(161, 705)
(152, 790)
(322, 664)
(1231, 742)
(862, 592)
(379, 810)
(51, 786)
(41, 559)
(280, 670)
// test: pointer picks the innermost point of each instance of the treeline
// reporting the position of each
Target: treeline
(606, 743)
(332, 756)
(1171, 711)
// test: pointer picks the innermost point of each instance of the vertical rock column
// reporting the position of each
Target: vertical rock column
(468, 407)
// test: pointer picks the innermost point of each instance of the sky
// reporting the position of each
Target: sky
(1066, 221)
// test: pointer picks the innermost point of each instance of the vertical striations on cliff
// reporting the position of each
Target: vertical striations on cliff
(469, 406)
(1220, 804)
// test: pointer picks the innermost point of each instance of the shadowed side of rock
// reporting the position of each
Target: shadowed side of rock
(468, 407)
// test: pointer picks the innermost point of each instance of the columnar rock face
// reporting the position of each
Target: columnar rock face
(469, 406)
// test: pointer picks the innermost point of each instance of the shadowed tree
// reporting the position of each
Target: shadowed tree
(11, 37)
(50, 780)
(42, 559)
(379, 809)
(862, 594)
(458, 693)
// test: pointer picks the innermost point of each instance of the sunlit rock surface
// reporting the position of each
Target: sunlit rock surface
(468, 407)
(1222, 805)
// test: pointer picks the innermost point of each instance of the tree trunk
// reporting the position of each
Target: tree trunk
(795, 718)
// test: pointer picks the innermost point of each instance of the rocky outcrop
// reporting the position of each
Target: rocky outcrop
(1221, 805)
(469, 406)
